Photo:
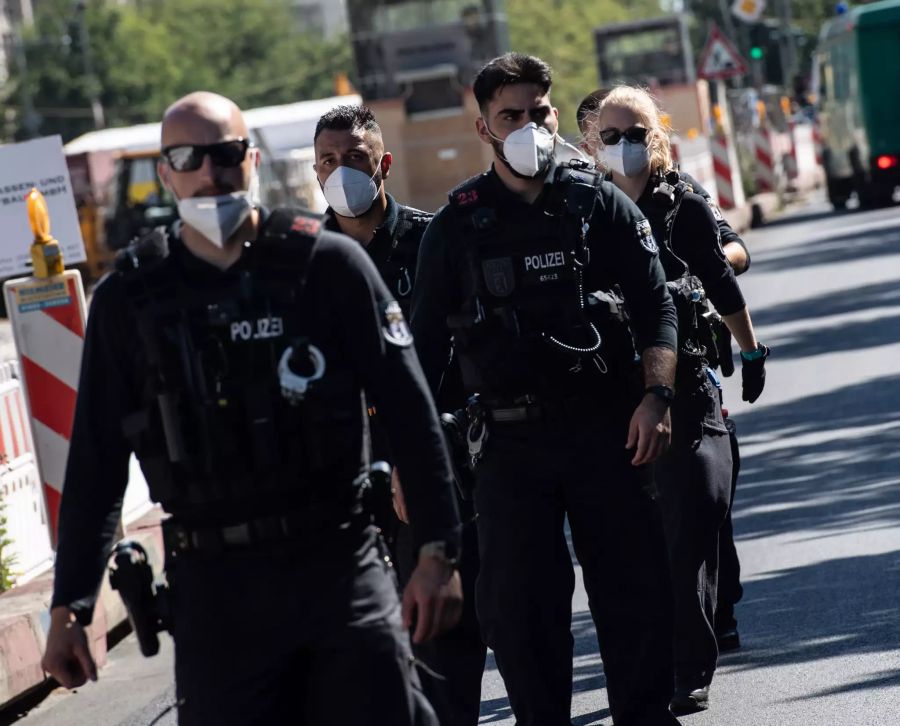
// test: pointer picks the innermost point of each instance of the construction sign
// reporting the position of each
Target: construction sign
(720, 59)
(39, 164)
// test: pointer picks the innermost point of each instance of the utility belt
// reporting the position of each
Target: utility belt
(480, 412)
(532, 407)
(298, 526)
(147, 599)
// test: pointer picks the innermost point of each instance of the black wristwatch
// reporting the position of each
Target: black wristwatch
(666, 393)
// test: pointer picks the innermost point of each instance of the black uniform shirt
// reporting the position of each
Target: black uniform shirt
(382, 242)
(726, 233)
(348, 299)
(390, 241)
(394, 245)
(695, 239)
(621, 251)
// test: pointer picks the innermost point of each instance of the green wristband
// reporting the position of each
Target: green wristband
(753, 354)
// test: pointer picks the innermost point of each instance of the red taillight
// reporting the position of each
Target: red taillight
(887, 161)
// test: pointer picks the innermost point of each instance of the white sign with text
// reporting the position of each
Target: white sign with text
(38, 163)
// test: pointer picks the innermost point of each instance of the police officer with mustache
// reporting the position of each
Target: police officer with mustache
(352, 166)
(559, 427)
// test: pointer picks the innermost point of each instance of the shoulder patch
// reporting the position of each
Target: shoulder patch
(717, 213)
(306, 225)
(645, 236)
(393, 325)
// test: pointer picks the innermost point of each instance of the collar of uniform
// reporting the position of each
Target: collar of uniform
(388, 225)
(382, 242)
(507, 196)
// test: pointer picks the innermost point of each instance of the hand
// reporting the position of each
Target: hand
(650, 430)
(434, 596)
(397, 495)
(753, 375)
(67, 657)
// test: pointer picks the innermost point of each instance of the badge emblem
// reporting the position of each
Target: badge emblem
(499, 276)
(645, 236)
(393, 325)
(717, 213)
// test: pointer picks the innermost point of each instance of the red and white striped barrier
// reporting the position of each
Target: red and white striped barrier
(789, 160)
(20, 485)
(48, 317)
(15, 432)
(765, 171)
(725, 177)
(818, 143)
(675, 146)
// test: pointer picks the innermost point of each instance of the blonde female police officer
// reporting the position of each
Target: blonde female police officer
(694, 477)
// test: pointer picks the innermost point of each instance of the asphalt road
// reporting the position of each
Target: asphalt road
(817, 514)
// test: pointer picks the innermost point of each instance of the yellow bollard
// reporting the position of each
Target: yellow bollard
(46, 255)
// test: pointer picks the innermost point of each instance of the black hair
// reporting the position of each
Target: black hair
(508, 69)
(347, 118)
(589, 106)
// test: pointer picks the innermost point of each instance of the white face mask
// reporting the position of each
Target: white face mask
(625, 158)
(350, 192)
(216, 218)
(528, 150)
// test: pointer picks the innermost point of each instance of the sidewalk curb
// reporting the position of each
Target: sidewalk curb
(25, 618)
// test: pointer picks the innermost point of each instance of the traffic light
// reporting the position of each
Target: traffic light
(756, 52)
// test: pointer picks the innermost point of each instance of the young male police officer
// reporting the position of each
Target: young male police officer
(352, 166)
(232, 361)
(504, 269)
(736, 252)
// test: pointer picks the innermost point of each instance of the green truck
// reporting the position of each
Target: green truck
(858, 84)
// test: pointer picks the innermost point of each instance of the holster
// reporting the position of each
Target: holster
(146, 600)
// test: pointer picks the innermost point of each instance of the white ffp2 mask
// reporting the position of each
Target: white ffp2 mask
(528, 150)
(625, 158)
(350, 192)
(216, 218)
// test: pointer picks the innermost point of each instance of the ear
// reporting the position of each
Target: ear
(162, 171)
(386, 161)
(481, 128)
(257, 158)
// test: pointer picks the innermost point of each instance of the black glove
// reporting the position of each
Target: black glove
(753, 373)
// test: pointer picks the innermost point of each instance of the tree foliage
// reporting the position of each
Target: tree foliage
(145, 54)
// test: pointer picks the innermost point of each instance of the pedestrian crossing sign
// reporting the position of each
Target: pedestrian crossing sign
(720, 59)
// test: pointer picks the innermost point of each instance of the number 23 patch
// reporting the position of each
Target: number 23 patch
(393, 325)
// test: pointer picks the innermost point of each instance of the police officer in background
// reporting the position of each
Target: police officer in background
(231, 358)
(352, 166)
(504, 270)
(694, 477)
(738, 256)
(735, 248)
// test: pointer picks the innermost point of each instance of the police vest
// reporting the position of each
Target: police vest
(399, 268)
(238, 402)
(524, 328)
(686, 289)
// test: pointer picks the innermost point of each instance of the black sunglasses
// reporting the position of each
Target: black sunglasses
(635, 134)
(189, 157)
